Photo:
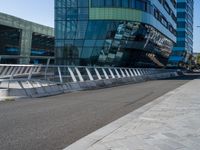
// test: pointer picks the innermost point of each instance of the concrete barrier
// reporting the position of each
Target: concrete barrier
(42, 88)
(3, 94)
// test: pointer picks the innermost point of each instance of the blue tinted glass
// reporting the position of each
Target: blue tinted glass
(83, 3)
(132, 3)
(140, 5)
(97, 3)
(117, 3)
(82, 13)
(109, 3)
(125, 3)
(70, 3)
(72, 13)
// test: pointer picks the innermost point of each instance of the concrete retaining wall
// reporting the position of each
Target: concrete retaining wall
(31, 89)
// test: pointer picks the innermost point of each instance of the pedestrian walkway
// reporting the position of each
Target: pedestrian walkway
(171, 122)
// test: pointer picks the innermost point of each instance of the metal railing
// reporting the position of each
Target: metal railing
(64, 74)
(11, 71)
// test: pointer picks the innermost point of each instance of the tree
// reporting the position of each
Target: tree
(198, 59)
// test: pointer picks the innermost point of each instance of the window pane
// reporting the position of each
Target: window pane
(97, 3)
(109, 3)
(117, 3)
(125, 3)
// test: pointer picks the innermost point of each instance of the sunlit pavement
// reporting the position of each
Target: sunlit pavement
(171, 122)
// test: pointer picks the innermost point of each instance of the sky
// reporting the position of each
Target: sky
(196, 23)
(42, 12)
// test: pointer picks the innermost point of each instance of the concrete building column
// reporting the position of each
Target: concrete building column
(26, 42)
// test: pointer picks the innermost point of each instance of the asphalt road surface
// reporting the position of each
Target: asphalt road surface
(53, 123)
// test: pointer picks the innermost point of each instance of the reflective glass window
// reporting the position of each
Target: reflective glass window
(82, 3)
(60, 13)
(89, 43)
(141, 5)
(125, 3)
(79, 43)
(81, 29)
(109, 3)
(92, 29)
(97, 3)
(181, 15)
(72, 13)
(82, 13)
(60, 29)
(181, 5)
(70, 3)
(86, 52)
(132, 3)
(117, 3)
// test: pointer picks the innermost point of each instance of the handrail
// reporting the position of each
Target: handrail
(28, 65)
(64, 73)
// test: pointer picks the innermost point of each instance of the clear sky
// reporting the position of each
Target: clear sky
(39, 11)
(196, 23)
(42, 11)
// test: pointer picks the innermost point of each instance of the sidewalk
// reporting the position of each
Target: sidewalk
(171, 122)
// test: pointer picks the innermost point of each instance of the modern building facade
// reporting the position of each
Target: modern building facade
(182, 52)
(126, 33)
(24, 42)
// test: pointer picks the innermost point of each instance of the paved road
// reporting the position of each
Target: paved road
(54, 122)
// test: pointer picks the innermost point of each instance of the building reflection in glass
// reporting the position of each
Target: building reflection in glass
(114, 43)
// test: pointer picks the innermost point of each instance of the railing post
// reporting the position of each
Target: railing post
(123, 75)
(79, 74)
(131, 72)
(46, 68)
(89, 74)
(98, 75)
(21, 70)
(60, 75)
(138, 72)
(27, 69)
(128, 75)
(5, 71)
(1, 69)
(135, 72)
(10, 70)
(18, 70)
(105, 74)
(13, 72)
(72, 74)
(35, 69)
(118, 75)
(111, 73)
(39, 68)
(141, 72)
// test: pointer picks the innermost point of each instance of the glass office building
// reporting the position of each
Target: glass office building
(182, 52)
(125, 33)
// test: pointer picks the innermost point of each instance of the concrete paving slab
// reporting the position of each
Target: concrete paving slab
(170, 122)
